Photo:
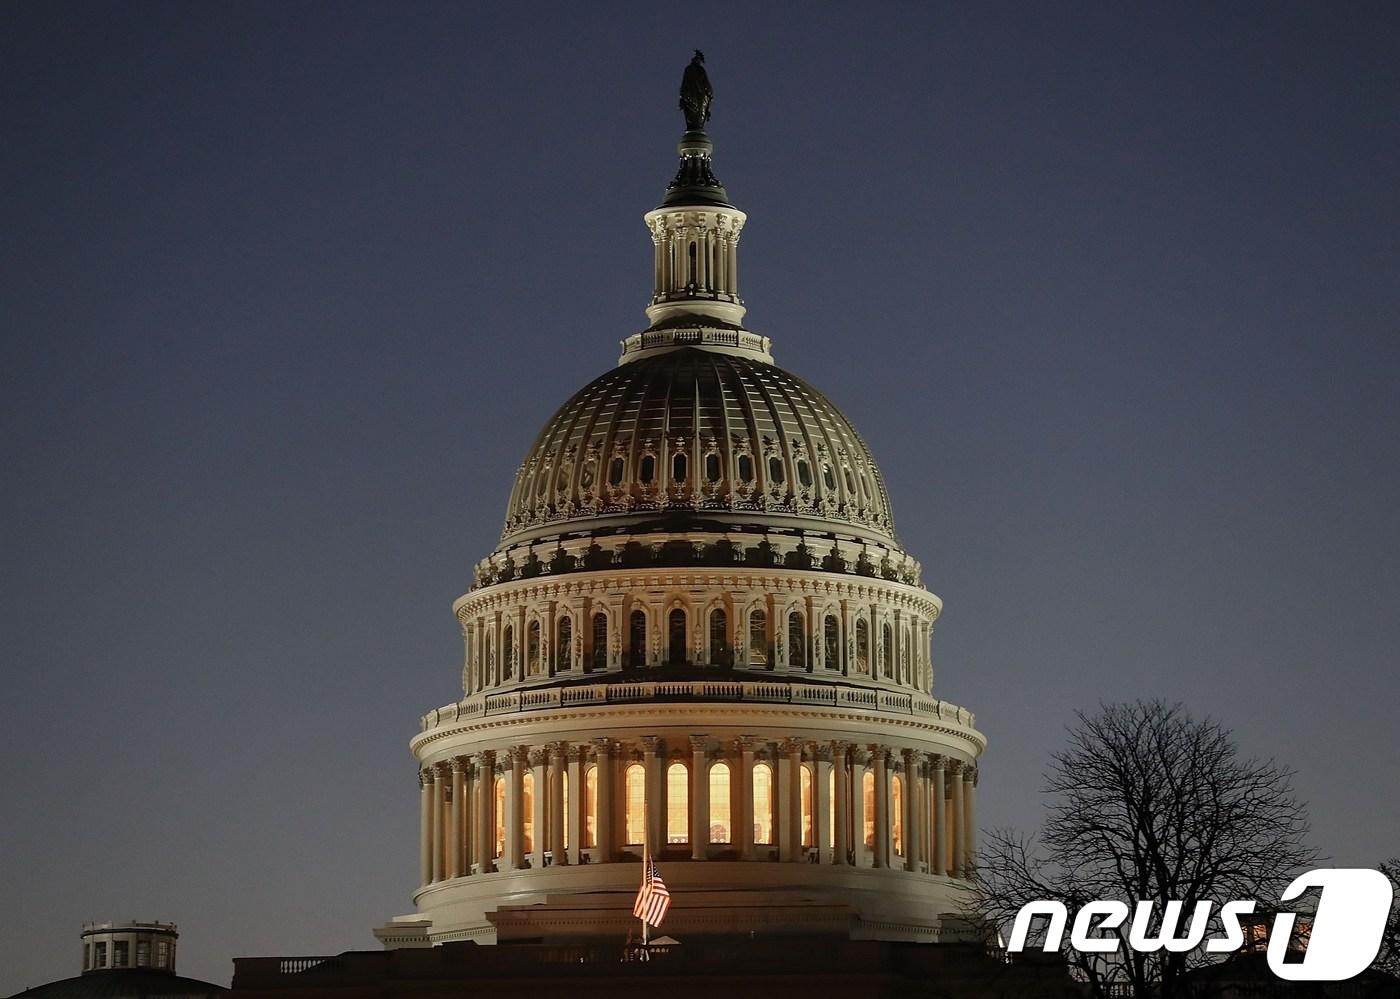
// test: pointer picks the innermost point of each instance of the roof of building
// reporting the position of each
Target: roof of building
(123, 983)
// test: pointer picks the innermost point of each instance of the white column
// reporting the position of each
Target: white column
(485, 806)
(576, 803)
(821, 802)
(459, 801)
(652, 783)
(969, 819)
(556, 804)
(515, 808)
(912, 835)
(605, 851)
(859, 757)
(439, 793)
(537, 817)
(883, 825)
(425, 838)
(843, 804)
(940, 817)
(744, 749)
(699, 798)
(792, 834)
(956, 832)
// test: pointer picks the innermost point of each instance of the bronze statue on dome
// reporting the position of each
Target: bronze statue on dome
(696, 94)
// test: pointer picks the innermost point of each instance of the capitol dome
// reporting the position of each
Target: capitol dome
(698, 640)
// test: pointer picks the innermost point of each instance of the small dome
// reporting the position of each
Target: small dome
(705, 436)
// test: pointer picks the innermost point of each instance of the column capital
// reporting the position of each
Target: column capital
(840, 750)
(537, 757)
(970, 773)
(602, 746)
(558, 751)
(879, 754)
(744, 744)
(938, 761)
(954, 767)
(860, 756)
(650, 744)
(425, 778)
(699, 743)
(460, 764)
(440, 771)
(822, 752)
(519, 754)
(792, 747)
(575, 753)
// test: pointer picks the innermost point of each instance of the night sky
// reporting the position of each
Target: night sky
(286, 291)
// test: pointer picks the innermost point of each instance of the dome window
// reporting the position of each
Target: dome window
(804, 473)
(675, 634)
(563, 655)
(648, 471)
(600, 641)
(746, 468)
(850, 481)
(678, 467)
(862, 647)
(532, 648)
(828, 477)
(886, 651)
(615, 469)
(758, 638)
(712, 466)
(586, 480)
(797, 641)
(831, 632)
(719, 637)
(637, 640)
(507, 653)
(775, 470)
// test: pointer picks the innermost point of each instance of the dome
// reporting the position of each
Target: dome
(693, 434)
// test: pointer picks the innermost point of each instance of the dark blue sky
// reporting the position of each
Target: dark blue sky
(286, 291)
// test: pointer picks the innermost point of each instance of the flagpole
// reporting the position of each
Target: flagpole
(646, 859)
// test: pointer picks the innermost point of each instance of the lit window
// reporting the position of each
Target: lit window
(590, 807)
(564, 804)
(867, 783)
(897, 813)
(831, 808)
(500, 817)
(719, 803)
(677, 804)
(758, 638)
(762, 803)
(635, 818)
(527, 811)
(809, 808)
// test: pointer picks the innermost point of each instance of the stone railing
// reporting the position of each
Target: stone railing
(833, 695)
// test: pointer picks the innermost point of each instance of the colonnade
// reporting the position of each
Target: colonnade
(752, 799)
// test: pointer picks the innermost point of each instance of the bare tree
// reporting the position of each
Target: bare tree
(1147, 804)
(1389, 957)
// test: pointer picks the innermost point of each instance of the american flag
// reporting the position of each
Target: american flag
(653, 899)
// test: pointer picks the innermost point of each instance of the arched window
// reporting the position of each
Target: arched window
(675, 636)
(564, 805)
(897, 813)
(867, 784)
(677, 804)
(719, 637)
(762, 803)
(600, 641)
(719, 803)
(564, 652)
(809, 808)
(500, 817)
(862, 647)
(758, 638)
(831, 633)
(648, 469)
(532, 647)
(831, 808)
(678, 469)
(634, 818)
(886, 651)
(712, 466)
(590, 807)
(615, 469)
(508, 653)
(527, 811)
(797, 641)
(746, 468)
(637, 640)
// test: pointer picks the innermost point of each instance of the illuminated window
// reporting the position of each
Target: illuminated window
(832, 636)
(758, 638)
(797, 641)
(809, 808)
(500, 817)
(527, 811)
(675, 634)
(719, 803)
(600, 641)
(677, 804)
(634, 823)
(831, 808)
(564, 651)
(897, 813)
(637, 639)
(532, 647)
(590, 807)
(719, 637)
(564, 804)
(862, 647)
(762, 803)
(867, 783)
